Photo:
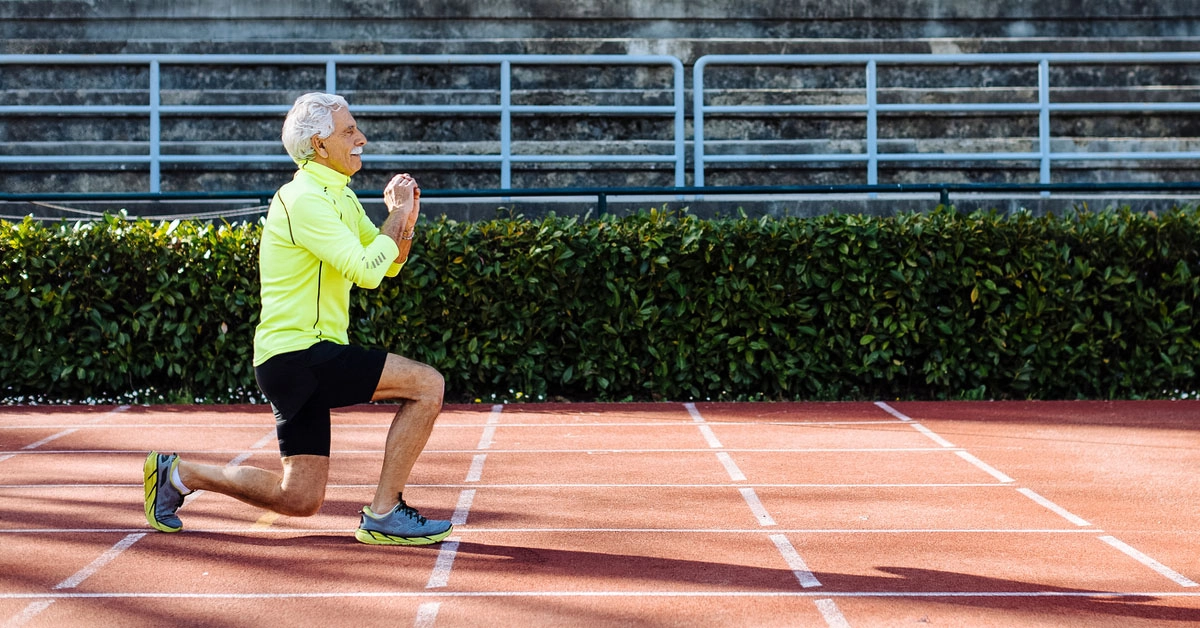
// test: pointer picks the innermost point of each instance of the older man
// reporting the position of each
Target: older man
(316, 243)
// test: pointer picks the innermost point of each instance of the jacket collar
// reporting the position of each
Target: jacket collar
(325, 176)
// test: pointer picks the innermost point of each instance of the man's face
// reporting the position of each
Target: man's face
(342, 150)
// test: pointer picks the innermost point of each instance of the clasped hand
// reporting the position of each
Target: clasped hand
(401, 193)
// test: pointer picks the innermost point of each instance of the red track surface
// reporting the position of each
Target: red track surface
(806, 514)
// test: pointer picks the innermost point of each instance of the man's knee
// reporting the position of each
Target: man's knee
(435, 386)
(302, 490)
(407, 379)
(429, 388)
(301, 504)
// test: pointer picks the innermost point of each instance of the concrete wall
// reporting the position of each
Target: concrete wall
(637, 26)
(686, 29)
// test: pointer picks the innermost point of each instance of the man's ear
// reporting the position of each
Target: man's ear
(319, 145)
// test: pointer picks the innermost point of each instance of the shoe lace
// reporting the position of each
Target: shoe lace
(411, 512)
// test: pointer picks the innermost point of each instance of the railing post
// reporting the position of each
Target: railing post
(680, 126)
(872, 128)
(1044, 122)
(155, 129)
(505, 124)
(698, 122)
(331, 77)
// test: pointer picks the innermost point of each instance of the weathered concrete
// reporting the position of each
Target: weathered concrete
(383, 20)
(686, 29)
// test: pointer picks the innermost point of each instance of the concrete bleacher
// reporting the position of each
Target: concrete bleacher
(687, 30)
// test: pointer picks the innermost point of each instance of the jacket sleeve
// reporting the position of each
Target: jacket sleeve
(364, 261)
(368, 232)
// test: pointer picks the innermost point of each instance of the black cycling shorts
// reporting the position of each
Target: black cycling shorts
(302, 386)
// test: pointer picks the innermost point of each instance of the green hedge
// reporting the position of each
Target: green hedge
(654, 306)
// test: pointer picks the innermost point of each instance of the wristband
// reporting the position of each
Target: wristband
(409, 235)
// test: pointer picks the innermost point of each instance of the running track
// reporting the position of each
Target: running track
(796, 514)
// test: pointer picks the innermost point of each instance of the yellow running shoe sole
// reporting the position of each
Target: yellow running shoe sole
(371, 537)
(150, 474)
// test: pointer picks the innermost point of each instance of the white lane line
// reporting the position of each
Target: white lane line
(267, 439)
(237, 460)
(489, 432)
(476, 470)
(723, 457)
(916, 426)
(485, 441)
(445, 562)
(1059, 510)
(792, 557)
(657, 593)
(480, 530)
(568, 485)
(710, 437)
(892, 411)
(65, 432)
(427, 615)
(932, 435)
(655, 450)
(735, 474)
(107, 557)
(1162, 569)
(439, 426)
(31, 611)
(756, 507)
(591, 450)
(463, 507)
(487, 438)
(832, 614)
(93, 425)
(51, 438)
(705, 430)
(990, 470)
(731, 467)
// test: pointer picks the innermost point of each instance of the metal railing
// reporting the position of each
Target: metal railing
(602, 195)
(871, 108)
(154, 110)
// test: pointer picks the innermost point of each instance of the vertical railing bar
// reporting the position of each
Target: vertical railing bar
(680, 145)
(331, 76)
(155, 128)
(698, 122)
(505, 124)
(872, 128)
(1044, 121)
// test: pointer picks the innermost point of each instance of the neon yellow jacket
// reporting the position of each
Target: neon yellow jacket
(316, 242)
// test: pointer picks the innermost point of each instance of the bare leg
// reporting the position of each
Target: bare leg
(420, 387)
(299, 492)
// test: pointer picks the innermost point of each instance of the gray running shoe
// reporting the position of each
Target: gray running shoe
(162, 498)
(401, 525)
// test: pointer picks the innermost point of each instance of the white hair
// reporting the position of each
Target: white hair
(311, 114)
